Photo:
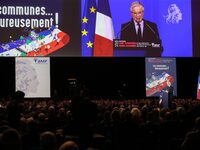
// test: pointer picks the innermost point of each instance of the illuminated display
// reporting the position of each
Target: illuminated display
(83, 29)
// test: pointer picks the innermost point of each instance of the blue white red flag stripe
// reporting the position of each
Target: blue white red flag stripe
(104, 33)
(198, 87)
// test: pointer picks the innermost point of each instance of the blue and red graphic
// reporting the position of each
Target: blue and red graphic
(157, 83)
(36, 43)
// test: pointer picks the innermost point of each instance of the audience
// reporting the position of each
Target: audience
(84, 124)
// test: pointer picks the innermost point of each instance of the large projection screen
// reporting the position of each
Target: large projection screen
(33, 76)
(158, 72)
(58, 27)
(173, 19)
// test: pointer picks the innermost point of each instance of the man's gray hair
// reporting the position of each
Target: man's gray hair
(135, 4)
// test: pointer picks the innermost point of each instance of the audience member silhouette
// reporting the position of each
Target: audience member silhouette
(11, 140)
(192, 138)
(69, 145)
(84, 112)
(15, 109)
(48, 141)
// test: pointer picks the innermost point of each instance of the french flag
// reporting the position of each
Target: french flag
(198, 88)
(104, 33)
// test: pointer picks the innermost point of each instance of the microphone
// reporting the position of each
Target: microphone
(117, 37)
(156, 34)
(152, 30)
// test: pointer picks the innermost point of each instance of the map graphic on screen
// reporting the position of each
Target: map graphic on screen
(156, 83)
(36, 44)
(40, 28)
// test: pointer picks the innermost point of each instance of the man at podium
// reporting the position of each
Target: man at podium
(166, 95)
(139, 29)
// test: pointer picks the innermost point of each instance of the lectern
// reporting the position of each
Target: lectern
(147, 48)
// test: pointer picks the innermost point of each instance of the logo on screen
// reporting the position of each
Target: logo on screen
(174, 14)
(40, 61)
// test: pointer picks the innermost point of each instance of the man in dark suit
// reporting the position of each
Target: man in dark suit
(139, 29)
(170, 91)
(167, 95)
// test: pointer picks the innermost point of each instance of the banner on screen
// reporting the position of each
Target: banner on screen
(33, 76)
(39, 28)
(159, 71)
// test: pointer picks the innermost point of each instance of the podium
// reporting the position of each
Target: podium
(164, 99)
(146, 48)
(166, 96)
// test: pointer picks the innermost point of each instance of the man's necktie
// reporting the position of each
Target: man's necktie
(139, 33)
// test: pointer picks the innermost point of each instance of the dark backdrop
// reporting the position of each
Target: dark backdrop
(104, 77)
(195, 27)
(7, 76)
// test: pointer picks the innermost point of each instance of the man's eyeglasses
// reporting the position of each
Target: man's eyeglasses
(137, 13)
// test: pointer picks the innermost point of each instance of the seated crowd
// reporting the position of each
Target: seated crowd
(104, 124)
